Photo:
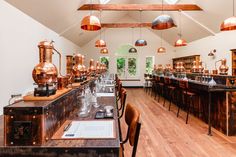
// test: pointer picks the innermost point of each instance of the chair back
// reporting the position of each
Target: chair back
(183, 84)
(167, 80)
(122, 101)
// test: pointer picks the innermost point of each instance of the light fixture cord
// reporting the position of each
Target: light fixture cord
(180, 24)
(140, 17)
(161, 38)
(233, 7)
(100, 22)
(162, 7)
(132, 39)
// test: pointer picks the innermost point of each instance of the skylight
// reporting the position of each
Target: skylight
(104, 1)
(171, 1)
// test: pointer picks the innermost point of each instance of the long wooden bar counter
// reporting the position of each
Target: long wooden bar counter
(43, 119)
(218, 103)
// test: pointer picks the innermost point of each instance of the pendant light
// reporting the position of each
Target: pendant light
(140, 42)
(163, 21)
(90, 22)
(100, 42)
(132, 49)
(104, 50)
(230, 23)
(180, 42)
(161, 49)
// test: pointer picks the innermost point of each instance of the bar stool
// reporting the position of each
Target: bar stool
(169, 90)
(160, 87)
(187, 98)
(118, 94)
(132, 116)
(149, 83)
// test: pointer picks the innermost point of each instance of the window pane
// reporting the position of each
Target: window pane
(149, 64)
(132, 67)
(120, 66)
(105, 60)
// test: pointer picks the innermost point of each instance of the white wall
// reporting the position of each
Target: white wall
(19, 37)
(222, 42)
(117, 37)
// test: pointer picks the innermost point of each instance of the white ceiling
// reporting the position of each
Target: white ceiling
(62, 17)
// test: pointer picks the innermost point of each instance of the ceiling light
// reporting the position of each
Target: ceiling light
(100, 43)
(104, 51)
(132, 50)
(180, 41)
(163, 21)
(90, 23)
(161, 50)
(140, 42)
(230, 23)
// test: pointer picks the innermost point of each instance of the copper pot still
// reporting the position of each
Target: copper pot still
(45, 73)
(180, 67)
(197, 67)
(69, 64)
(223, 67)
(84, 70)
(168, 68)
(78, 68)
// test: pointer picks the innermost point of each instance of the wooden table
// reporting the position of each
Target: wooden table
(70, 148)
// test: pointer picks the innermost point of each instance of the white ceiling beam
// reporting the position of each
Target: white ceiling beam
(199, 23)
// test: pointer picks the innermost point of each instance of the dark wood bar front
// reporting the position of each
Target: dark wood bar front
(29, 127)
(216, 104)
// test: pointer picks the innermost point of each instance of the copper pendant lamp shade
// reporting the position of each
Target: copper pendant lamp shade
(180, 42)
(161, 50)
(132, 50)
(104, 51)
(90, 23)
(140, 42)
(100, 43)
(229, 24)
(163, 22)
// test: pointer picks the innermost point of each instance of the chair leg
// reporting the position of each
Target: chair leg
(171, 95)
(189, 105)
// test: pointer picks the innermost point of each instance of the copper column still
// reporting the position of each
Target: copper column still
(45, 73)
(92, 68)
(69, 64)
(98, 70)
(84, 73)
(78, 68)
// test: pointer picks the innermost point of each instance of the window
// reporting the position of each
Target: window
(105, 60)
(171, 1)
(104, 1)
(149, 64)
(126, 63)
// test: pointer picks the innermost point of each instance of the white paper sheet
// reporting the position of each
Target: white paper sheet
(90, 129)
(105, 94)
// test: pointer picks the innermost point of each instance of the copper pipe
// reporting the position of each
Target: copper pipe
(59, 60)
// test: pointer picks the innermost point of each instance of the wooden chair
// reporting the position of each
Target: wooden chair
(132, 116)
(121, 108)
(187, 98)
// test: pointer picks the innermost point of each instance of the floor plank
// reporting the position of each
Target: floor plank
(164, 135)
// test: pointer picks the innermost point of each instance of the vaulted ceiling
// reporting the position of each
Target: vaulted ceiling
(62, 17)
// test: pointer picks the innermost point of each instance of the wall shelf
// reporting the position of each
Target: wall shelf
(188, 60)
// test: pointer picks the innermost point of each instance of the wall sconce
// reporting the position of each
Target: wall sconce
(212, 53)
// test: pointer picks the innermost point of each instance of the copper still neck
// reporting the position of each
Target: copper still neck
(69, 64)
(78, 59)
(45, 52)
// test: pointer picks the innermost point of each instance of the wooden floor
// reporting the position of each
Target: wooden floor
(165, 135)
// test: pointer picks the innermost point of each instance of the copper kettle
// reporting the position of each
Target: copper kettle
(45, 72)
